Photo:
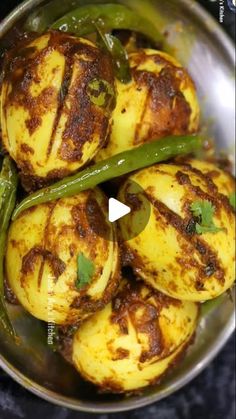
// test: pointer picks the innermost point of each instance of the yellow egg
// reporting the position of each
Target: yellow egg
(56, 102)
(169, 254)
(134, 340)
(52, 249)
(159, 101)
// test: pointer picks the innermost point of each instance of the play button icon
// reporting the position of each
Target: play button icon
(127, 206)
(117, 210)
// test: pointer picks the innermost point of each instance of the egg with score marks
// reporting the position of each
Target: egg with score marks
(59, 269)
(160, 100)
(134, 340)
(187, 249)
(56, 101)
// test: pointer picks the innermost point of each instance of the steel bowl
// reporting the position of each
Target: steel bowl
(207, 52)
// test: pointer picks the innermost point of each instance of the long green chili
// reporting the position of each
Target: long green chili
(8, 187)
(44, 16)
(118, 165)
(108, 17)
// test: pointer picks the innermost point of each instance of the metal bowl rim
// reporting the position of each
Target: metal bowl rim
(210, 25)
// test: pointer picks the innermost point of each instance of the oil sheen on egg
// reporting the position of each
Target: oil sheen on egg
(43, 254)
(134, 340)
(56, 101)
(160, 100)
(169, 254)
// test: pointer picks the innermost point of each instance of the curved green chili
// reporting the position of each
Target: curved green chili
(43, 17)
(108, 17)
(119, 55)
(8, 187)
(118, 165)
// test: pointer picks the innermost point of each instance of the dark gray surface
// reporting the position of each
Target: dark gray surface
(209, 396)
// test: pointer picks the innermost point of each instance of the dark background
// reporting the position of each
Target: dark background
(210, 396)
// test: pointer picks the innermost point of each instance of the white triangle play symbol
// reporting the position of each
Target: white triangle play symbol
(117, 210)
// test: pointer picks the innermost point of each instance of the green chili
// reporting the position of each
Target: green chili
(43, 17)
(108, 17)
(118, 165)
(119, 55)
(210, 305)
(8, 187)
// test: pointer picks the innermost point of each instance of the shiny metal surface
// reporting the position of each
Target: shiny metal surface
(209, 55)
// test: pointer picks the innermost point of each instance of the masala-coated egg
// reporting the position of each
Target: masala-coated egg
(134, 340)
(58, 263)
(160, 100)
(170, 253)
(56, 101)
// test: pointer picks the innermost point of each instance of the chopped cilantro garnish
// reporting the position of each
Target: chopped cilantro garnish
(204, 211)
(85, 271)
(101, 92)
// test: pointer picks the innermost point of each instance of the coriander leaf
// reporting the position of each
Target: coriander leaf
(204, 210)
(232, 200)
(101, 93)
(200, 229)
(85, 271)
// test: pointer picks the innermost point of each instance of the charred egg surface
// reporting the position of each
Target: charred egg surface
(42, 258)
(159, 101)
(169, 254)
(134, 340)
(56, 101)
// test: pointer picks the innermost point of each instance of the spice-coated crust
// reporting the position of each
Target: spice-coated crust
(165, 111)
(85, 121)
(210, 262)
(112, 386)
(109, 386)
(125, 306)
(28, 261)
(47, 253)
(171, 112)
